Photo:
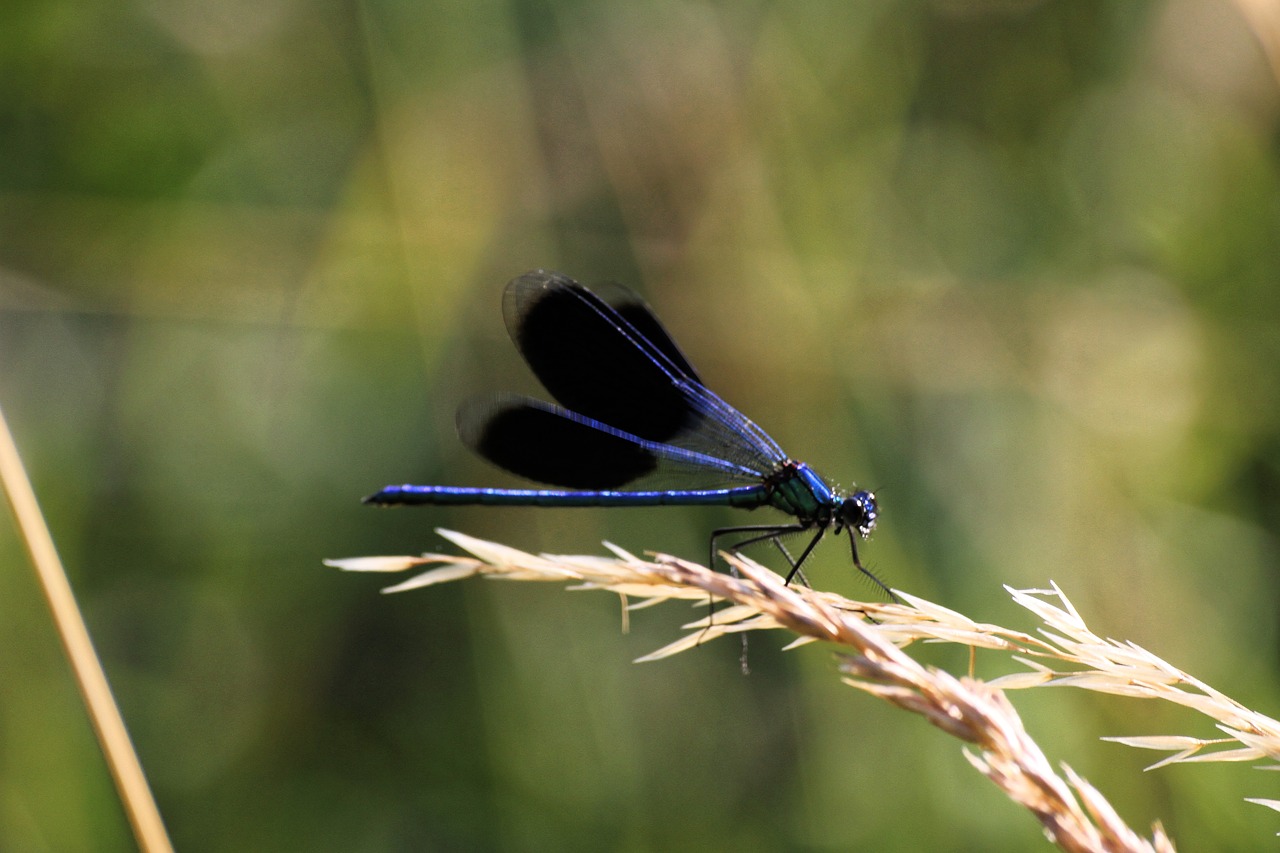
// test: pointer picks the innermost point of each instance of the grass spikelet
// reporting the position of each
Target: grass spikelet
(1063, 652)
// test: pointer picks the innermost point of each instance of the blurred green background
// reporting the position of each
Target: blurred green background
(1011, 264)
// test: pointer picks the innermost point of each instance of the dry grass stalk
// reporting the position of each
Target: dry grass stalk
(1064, 653)
(104, 713)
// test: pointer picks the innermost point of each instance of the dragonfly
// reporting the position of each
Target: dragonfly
(635, 426)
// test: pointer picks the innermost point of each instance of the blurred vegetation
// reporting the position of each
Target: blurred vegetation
(1012, 264)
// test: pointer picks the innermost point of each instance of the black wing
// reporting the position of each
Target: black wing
(549, 444)
(607, 357)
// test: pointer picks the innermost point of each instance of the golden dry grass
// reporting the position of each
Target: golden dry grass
(100, 705)
(1062, 652)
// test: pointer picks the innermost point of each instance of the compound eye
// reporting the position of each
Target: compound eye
(859, 512)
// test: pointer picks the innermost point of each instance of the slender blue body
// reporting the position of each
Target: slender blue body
(632, 407)
(740, 496)
(800, 492)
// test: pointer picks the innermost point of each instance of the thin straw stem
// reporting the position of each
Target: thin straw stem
(130, 781)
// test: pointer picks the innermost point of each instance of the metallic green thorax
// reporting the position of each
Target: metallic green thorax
(799, 491)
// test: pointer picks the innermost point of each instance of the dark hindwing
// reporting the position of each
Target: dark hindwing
(550, 444)
(542, 443)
